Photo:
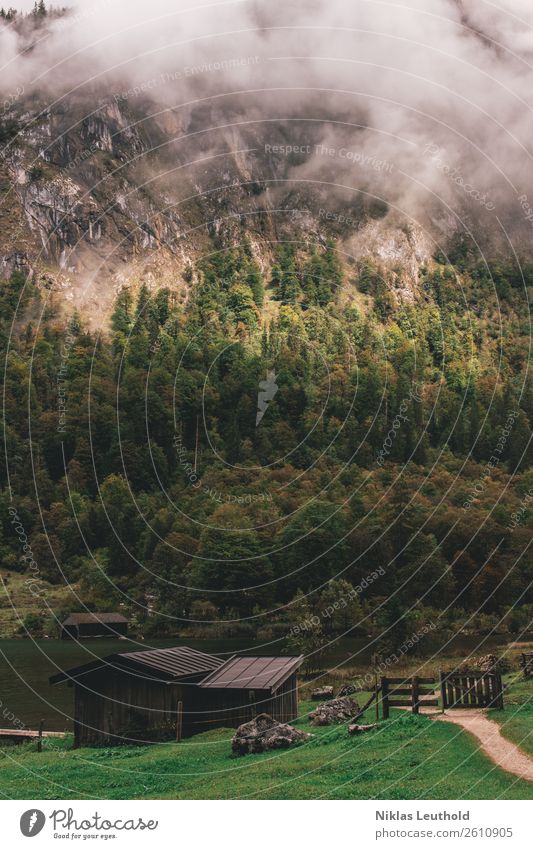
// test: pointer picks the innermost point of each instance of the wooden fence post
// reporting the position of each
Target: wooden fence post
(414, 695)
(40, 737)
(385, 697)
(179, 721)
(443, 690)
(499, 685)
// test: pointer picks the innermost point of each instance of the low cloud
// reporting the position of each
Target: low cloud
(383, 80)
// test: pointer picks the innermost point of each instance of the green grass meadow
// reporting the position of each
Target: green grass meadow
(407, 757)
(516, 720)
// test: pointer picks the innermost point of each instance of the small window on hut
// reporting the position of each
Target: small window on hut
(251, 699)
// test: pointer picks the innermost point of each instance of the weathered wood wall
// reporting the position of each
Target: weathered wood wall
(113, 707)
(228, 708)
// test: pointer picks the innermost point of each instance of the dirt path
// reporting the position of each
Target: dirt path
(504, 753)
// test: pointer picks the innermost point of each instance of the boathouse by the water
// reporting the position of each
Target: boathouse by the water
(167, 694)
(78, 626)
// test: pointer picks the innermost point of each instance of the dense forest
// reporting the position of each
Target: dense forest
(390, 467)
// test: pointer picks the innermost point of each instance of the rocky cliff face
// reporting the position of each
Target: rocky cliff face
(96, 199)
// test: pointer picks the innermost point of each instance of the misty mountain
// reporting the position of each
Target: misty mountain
(131, 146)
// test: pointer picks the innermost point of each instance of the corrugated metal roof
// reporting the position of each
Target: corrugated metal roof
(175, 662)
(94, 618)
(252, 673)
(171, 663)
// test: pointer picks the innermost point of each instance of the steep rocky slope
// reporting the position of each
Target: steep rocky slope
(95, 199)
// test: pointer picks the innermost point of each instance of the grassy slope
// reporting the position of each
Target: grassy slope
(517, 719)
(408, 757)
(16, 602)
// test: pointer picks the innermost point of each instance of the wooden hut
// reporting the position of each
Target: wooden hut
(164, 694)
(136, 696)
(81, 625)
(245, 686)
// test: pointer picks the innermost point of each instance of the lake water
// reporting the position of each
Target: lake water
(26, 665)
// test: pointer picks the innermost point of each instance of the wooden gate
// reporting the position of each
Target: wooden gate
(471, 689)
(410, 692)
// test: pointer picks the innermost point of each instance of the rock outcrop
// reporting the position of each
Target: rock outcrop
(321, 693)
(355, 729)
(485, 663)
(263, 734)
(335, 711)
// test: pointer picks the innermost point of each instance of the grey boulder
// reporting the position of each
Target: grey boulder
(336, 710)
(263, 734)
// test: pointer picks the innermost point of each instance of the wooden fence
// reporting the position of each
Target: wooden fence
(468, 689)
(411, 692)
(471, 689)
